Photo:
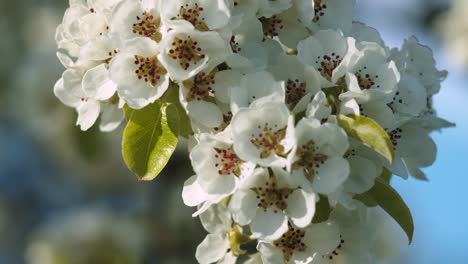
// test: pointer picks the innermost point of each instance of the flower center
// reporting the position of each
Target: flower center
(192, 14)
(365, 80)
(149, 69)
(200, 86)
(309, 159)
(319, 9)
(271, 26)
(228, 162)
(327, 64)
(227, 117)
(268, 141)
(148, 26)
(291, 242)
(395, 136)
(396, 99)
(270, 195)
(295, 91)
(335, 252)
(186, 52)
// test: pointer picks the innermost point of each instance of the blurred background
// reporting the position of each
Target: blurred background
(67, 198)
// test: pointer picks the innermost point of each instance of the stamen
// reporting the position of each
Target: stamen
(271, 26)
(200, 87)
(268, 141)
(192, 14)
(327, 64)
(228, 161)
(295, 91)
(395, 136)
(365, 80)
(227, 117)
(186, 52)
(291, 242)
(270, 195)
(319, 9)
(149, 69)
(309, 159)
(335, 252)
(148, 26)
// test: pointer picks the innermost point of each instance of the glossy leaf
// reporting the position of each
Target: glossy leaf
(172, 96)
(383, 195)
(369, 133)
(150, 138)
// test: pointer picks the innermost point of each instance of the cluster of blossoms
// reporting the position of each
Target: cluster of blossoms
(263, 84)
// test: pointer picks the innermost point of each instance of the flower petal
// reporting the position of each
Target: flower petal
(301, 207)
(269, 224)
(212, 248)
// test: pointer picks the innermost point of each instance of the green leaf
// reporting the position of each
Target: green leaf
(385, 196)
(150, 138)
(386, 176)
(368, 132)
(172, 96)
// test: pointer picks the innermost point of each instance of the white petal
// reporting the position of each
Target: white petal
(417, 146)
(331, 175)
(301, 207)
(323, 237)
(111, 118)
(192, 193)
(270, 254)
(269, 224)
(97, 50)
(205, 113)
(398, 167)
(217, 219)
(229, 258)
(362, 176)
(212, 249)
(68, 88)
(225, 81)
(88, 113)
(319, 108)
(243, 206)
(97, 83)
